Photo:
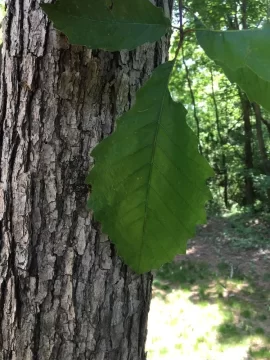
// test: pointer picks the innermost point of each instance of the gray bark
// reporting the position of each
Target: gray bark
(65, 294)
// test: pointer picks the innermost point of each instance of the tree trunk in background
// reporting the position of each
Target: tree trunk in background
(267, 124)
(226, 182)
(248, 154)
(193, 100)
(261, 144)
(65, 295)
(224, 169)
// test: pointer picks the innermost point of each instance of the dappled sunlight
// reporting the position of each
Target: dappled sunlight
(180, 329)
(206, 311)
(221, 289)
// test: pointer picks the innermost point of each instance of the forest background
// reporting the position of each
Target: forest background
(214, 302)
(233, 133)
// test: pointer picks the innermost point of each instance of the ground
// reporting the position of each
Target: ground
(214, 302)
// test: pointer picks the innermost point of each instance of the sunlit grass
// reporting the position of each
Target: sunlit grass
(206, 316)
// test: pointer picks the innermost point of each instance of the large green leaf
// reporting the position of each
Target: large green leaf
(245, 58)
(148, 182)
(108, 24)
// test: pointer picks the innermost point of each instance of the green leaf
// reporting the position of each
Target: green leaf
(149, 179)
(245, 58)
(108, 24)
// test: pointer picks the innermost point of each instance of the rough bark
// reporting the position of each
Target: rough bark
(65, 294)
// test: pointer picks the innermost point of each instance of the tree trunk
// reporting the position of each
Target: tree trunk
(65, 294)
(261, 144)
(249, 188)
(267, 124)
(222, 142)
(193, 101)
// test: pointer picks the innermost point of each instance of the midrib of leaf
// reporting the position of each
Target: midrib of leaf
(114, 21)
(175, 190)
(221, 63)
(242, 67)
(151, 172)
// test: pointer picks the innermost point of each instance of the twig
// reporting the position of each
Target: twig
(189, 81)
(181, 30)
(175, 27)
(181, 19)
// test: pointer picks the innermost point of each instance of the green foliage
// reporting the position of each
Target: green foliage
(247, 231)
(222, 129)
(228, 14)
(152, 190)
(220, 133)
(111, 25)
(244, 57)
(260, 354)
(184, 272)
